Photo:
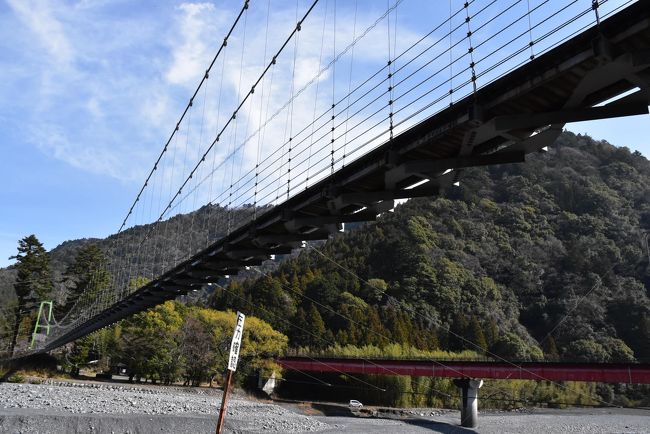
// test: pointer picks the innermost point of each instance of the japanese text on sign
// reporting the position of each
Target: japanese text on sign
(235, 345)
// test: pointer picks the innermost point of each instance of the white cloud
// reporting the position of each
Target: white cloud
(39, 17)
(314, 53)
(53, 140)
(128, 79)
(93, 105)
(191, 54)
(80, 101)
(156, 109)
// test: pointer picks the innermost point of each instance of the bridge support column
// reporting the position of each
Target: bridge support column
(468, 401)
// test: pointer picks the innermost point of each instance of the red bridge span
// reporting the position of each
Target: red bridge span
(631, 373)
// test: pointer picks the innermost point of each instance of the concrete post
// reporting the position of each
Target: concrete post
(468, 401)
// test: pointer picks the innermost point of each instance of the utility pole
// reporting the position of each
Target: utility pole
(235, 346)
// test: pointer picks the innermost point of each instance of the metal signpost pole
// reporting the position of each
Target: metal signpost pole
(235, 346)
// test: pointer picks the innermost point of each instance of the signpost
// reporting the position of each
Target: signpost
(235, 346)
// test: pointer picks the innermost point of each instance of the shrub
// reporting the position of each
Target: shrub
(16, 378)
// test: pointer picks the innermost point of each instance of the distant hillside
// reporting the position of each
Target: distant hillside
(500, 260)
(173, 241)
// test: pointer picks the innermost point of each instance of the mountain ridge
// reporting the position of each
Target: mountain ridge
(514, 249)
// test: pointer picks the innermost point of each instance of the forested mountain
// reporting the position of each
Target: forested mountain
(172, 239)
(542, 259)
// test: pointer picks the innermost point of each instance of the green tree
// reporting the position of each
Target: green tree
(475, 335)
(150, 346)
(644, 332)
(315, 327)
(512, 347)
(273, 301)
(376, 334)
(397, 325)
(76, 354)
(138, 282)
(260, 343)
(34, 279)
(550, 350)
(457, 333)
(374, 290)
(299, 336)
(174, 341)
(586, 350)
(618, 350)
(86, 276)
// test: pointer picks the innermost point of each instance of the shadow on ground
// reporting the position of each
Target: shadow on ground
(438, 427)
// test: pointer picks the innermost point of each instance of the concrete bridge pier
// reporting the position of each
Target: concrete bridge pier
(468, 401)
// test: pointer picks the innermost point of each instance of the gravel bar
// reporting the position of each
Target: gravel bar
(69, 407)
(99, 399)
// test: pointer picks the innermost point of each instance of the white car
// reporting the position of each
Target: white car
(355, 405)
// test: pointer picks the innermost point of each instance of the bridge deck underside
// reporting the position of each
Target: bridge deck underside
(517, 114)
(603, 373)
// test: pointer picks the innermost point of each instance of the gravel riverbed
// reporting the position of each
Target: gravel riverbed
(23, 401)
(68, 407)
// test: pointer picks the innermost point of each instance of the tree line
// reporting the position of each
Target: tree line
(174, 342)
(540, 261)
(35, 283)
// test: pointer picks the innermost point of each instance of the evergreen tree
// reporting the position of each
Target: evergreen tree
(376, 333)
(296, 288)
(316, 327)
(397, 326)
(87, 275)
(491, 331)
(76, 354)
(644, 339)
(433, 340)
(300, 337)
(34, 280)
(476, 336)
(457, 332)
(550, 350)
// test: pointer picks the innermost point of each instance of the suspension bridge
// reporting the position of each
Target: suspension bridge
(322, 119)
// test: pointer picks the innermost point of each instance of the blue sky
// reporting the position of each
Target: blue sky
(91, 90)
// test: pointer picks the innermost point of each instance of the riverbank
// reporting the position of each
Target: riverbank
(115, 408)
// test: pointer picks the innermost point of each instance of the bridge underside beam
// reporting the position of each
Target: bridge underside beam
(515, 122)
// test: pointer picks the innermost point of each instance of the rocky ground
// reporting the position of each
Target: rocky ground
(93, 404)
(66, 407)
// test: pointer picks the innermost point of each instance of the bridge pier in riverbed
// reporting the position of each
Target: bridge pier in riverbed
(468, 401)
